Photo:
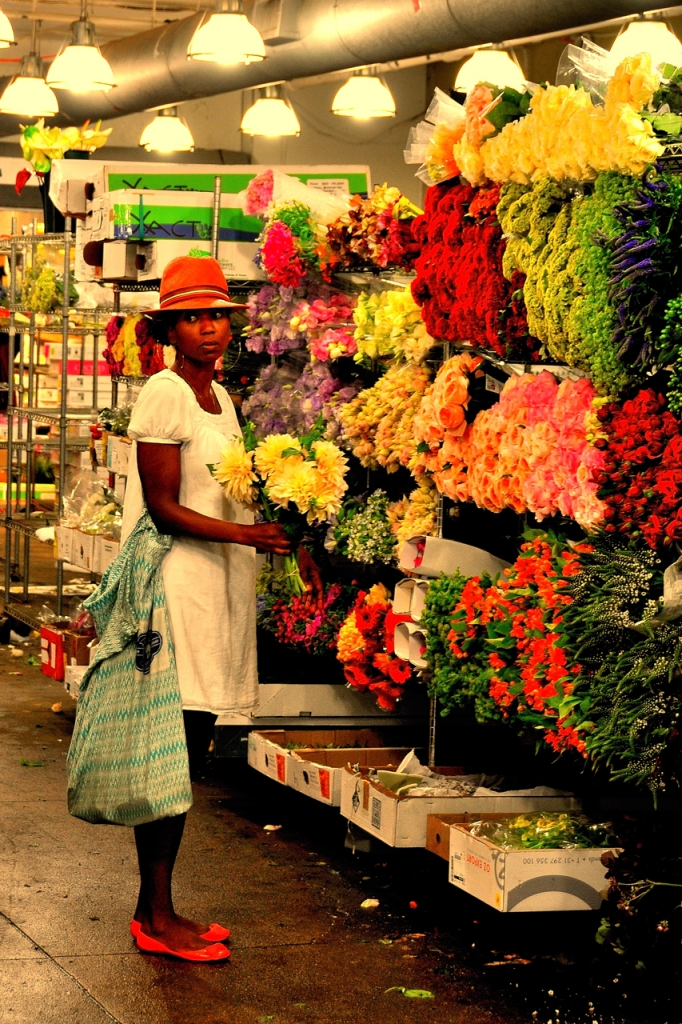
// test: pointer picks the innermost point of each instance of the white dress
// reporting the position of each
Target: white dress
(210, 587)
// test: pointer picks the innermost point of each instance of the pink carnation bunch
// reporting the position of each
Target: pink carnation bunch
(279, 255)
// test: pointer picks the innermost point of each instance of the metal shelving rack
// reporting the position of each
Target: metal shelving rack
(23, 413)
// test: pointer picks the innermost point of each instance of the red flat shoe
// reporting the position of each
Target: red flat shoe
(215, 933)
(209, 954)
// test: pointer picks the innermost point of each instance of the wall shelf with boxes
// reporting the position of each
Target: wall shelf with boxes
(58, 380)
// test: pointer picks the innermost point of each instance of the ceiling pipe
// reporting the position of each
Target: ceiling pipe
(151, 68)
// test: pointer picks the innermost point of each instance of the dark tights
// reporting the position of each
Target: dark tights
(158, 843)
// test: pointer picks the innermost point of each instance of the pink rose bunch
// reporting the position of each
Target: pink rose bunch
(259, 194)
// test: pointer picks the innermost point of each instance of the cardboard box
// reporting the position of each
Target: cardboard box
(52, 652)
(118, 454)
(105, 551)
(409, 597)
(314, 769)
(73, 677)
(522, 881)
(83, 550)
(76, 648)
(64, 543)
(401, 820)
(438, 833)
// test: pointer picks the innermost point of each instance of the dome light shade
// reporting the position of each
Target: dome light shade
(648, 35)
(495, 67)
(6, 32)
(27, 95)
(364, 96)
(167, 133)
(271, 116)
(227, 38)
(81, 69)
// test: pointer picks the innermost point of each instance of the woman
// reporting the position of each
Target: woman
(180, 425)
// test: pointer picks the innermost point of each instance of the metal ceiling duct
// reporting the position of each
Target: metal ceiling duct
(151, 69)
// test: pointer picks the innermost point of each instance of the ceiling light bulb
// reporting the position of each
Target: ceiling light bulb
(363, 96)
(167, 133)
(6, 31)
(227, 38)
(27, 95)
(271, 115)
(493, 67)
(648, 35)
(80, 67)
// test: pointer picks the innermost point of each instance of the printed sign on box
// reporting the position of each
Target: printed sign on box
(519, 881)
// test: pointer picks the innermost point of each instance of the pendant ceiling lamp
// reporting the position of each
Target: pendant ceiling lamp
(495, 67)
(364, 95)
(227, 38)
(167, 133)
(6, 32)
(27, 94)
(648, 35)
(271, 116)
(80, 67)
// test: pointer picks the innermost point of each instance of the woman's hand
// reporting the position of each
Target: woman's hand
(268, 537)
(311, 576)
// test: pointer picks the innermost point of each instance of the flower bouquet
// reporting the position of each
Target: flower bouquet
(295, 621)
(289, 243)
(362, 532)
(286, 402)
(375, 231)
(290, 480)
(389, 325)
(365, 648)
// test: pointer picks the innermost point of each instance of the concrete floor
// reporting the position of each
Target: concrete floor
(303, 951)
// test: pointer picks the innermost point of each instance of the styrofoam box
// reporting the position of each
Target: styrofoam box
(401, 820)
(518, 881)
(447, 556)
(118, 454)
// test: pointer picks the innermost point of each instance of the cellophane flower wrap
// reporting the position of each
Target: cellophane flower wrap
(296, 481)
(389, 325)
(519, 618)
(366, 650)
(298, 622)
(460, 285)
(378, 424)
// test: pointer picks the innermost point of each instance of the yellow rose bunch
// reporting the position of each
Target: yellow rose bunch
(565, 136)
(390, 324)
(378, 425)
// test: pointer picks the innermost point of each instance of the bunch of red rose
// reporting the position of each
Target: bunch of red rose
(365, 647)
(519, 619)
(460, 285)
(641, 482)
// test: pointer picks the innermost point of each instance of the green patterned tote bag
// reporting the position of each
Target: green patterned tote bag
(128, 763)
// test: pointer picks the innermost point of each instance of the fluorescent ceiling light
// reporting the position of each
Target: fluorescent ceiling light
(648, 35)
(271, 116)
(6, 31)
(227, 38)
(493, 67)
(364, 96)
(27, 95)
(167, 133)
(80, 67)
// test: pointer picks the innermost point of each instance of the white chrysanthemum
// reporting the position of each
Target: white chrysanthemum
(235, 473)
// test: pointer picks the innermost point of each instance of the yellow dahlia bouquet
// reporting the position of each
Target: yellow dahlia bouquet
(295, 481)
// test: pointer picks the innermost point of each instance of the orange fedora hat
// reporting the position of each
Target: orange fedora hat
(193, 282)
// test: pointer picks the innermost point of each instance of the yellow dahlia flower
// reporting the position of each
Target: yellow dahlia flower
(268, 455)
(235, 473)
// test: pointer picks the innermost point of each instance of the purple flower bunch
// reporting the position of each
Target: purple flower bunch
(269, 313)
(286, 402)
